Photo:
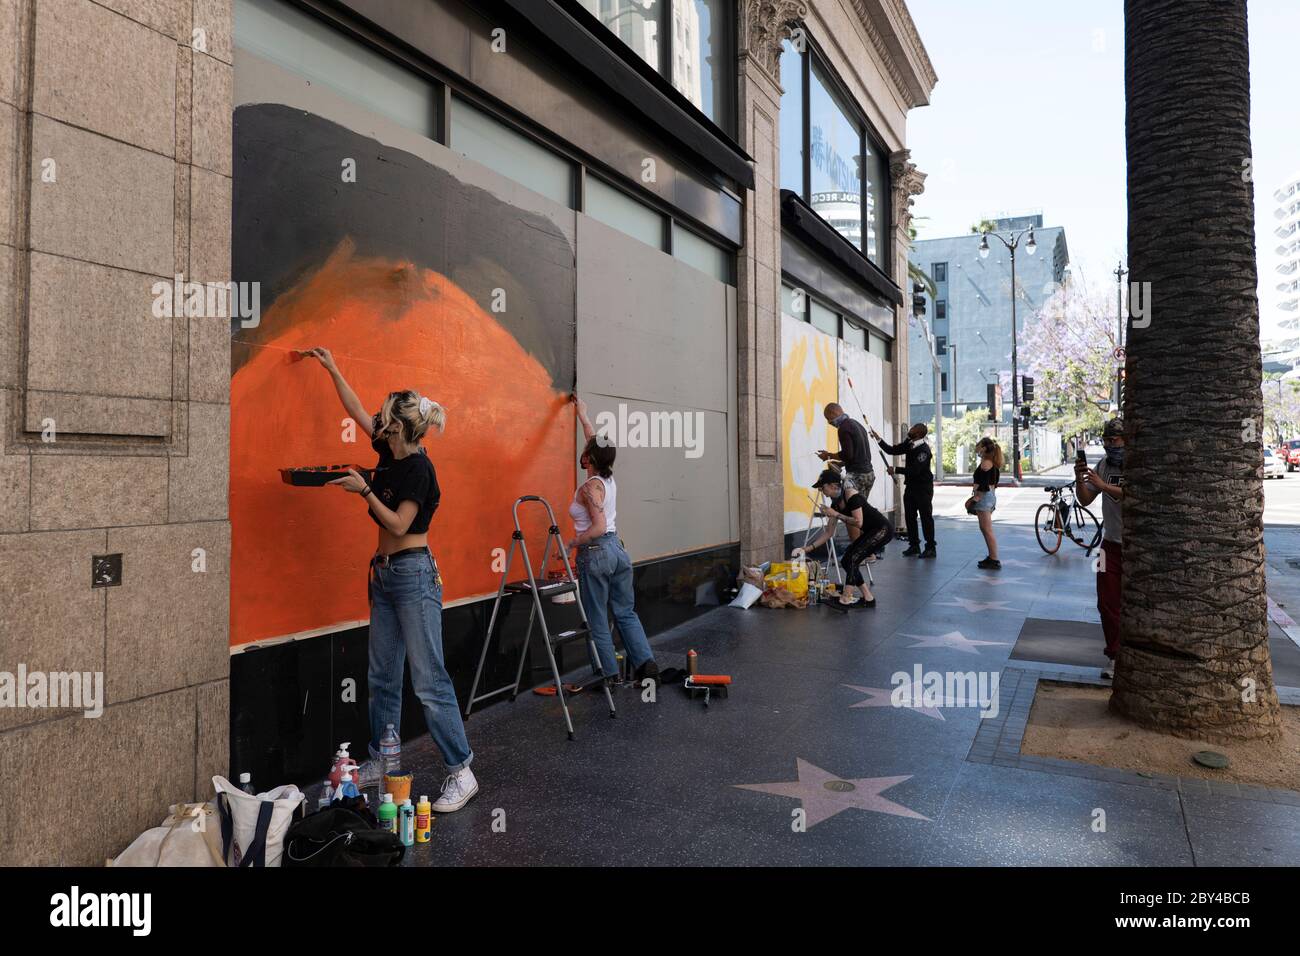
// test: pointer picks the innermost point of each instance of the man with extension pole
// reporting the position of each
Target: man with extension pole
(918, 487)
(855, 451)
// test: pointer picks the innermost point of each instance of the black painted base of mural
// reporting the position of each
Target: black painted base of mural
(287, 707)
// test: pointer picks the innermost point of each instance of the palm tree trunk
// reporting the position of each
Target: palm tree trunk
(1195, 659)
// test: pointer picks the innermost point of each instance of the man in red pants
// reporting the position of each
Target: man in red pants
(1108, 482)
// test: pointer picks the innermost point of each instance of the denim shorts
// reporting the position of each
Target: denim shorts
(986, 502)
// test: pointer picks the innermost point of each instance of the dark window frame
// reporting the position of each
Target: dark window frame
(936, 270)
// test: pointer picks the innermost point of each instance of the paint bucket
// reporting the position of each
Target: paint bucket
(399, 785)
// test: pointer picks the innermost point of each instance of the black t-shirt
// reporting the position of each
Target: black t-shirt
(871, 518)
(406, 479)
(987, 478)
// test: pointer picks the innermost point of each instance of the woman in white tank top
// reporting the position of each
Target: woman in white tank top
(604, 568)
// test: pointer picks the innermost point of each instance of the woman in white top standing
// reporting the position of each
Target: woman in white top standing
(604, 568)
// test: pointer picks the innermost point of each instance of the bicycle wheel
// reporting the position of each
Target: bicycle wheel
(1089, 530)
(1047, 526)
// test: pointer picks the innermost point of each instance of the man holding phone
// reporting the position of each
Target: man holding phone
(1108, 481)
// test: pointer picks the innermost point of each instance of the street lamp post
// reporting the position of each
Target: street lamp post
(1030, 247)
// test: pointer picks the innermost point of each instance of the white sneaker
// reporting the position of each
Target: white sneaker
(1108, 670)
(457, 790)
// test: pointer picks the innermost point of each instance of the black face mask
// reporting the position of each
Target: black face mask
(1115, 457)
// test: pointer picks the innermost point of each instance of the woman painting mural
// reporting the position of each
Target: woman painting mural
(405, 587)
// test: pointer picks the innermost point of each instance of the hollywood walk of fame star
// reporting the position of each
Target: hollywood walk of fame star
(999, 582)
(880, 697)
(823, 794)
(970, 605)
(955, 640)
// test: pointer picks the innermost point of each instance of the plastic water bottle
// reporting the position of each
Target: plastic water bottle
(326, 795)
(390, 750)
(246, 783)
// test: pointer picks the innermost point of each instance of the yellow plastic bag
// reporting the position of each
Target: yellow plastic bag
(789, 576)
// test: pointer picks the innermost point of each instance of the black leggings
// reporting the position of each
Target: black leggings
(868, 543)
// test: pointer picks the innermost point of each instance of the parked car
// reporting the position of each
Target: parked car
(1291, 453)
(1274, 467)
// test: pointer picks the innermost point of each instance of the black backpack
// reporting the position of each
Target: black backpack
(339, 836)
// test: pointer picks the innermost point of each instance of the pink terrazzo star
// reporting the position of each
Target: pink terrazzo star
(955, 640)
(881, 697)
(823, 794)
(970, 605)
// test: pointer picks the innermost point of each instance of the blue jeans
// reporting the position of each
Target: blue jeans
(605, 584)
(406, 625)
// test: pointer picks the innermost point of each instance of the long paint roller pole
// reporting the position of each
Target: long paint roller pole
(858, 401)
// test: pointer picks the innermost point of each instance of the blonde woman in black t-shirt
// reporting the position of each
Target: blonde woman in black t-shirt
(405, 586)
(985, 497)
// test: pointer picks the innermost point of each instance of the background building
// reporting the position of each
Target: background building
(1287, 251)
(495, 203)
(971, 310)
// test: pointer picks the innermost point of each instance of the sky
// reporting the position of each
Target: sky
(1028, 116)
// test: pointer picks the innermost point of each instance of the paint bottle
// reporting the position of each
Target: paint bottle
(346, 787)
(692, 662)
(406, 823)
(388, 814)
(246, 783)
(341, 760)
(423, 820)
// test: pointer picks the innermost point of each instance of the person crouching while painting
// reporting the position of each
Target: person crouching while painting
(869, 532)
(405, 586)
(604, 568)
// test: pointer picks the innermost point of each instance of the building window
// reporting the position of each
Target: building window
(616, 208)
(941, 309)
(703, 255)
(485, 139)
(943, 382)
(941, 345)
(638, 23)
(794, 303)
(792, 125)
(855, 334)
(687, 41)
(825, 319)
(831, 158)
(302, 44)
(879, 345)
(835, 155)
(940, 270)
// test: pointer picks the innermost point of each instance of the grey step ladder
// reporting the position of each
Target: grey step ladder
(538, 592)
(833, 557)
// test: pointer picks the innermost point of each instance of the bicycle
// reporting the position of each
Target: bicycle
(1064, 517)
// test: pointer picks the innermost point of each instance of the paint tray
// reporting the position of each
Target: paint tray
(315, 476)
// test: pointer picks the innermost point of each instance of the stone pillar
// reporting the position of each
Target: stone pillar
(906, 181)
(115, 128)
(763, 25)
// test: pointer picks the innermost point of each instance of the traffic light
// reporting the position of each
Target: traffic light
(1026, 389)
(918, 304)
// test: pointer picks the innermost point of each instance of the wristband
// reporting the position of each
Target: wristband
(365, 491)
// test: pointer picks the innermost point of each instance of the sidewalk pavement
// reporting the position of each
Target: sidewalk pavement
(808, 727)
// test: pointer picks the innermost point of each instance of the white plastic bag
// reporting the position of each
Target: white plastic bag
(251, 834)
(190, 836)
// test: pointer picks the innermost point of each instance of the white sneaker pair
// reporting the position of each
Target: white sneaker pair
(457, 790)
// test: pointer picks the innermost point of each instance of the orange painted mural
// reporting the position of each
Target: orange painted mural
(399, 274)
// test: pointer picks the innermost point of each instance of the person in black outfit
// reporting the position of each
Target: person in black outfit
(855, 449)
(918, 487)
(869, 532)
